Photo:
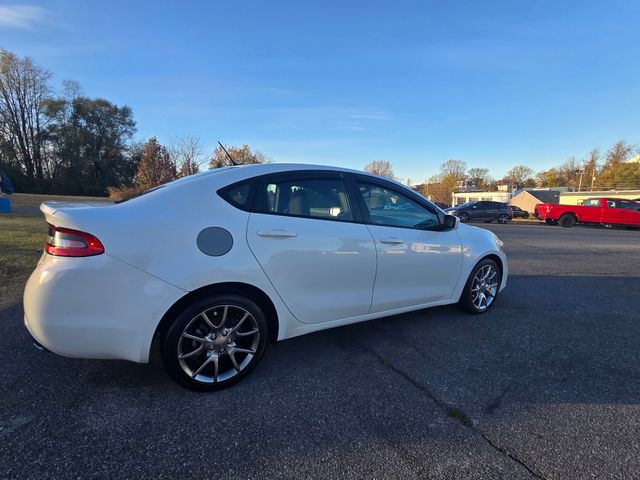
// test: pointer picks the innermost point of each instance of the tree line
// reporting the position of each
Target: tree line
(611, 170)
(66, 142)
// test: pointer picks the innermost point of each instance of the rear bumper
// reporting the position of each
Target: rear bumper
(95, 307)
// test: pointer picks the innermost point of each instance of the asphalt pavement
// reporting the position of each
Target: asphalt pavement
(546, 385)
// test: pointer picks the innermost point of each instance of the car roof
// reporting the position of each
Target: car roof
(242, 172)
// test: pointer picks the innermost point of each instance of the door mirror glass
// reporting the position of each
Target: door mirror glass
(450, 222)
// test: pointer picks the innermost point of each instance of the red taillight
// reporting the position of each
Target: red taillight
(64, 242)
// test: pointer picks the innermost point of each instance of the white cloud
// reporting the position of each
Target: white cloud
(20, 16)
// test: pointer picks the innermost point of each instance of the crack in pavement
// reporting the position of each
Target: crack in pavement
(452, 411)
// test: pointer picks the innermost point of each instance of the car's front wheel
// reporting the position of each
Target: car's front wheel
(464, 217)
(215, 342)
(482, 287)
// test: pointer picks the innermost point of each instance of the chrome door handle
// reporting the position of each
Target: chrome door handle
(391, 241)
(276, 234)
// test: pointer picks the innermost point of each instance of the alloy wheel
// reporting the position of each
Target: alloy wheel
(218, 343)
(484, 287)
(503, 218)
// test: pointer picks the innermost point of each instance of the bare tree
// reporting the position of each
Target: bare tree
(454, 169)
(186, 153)
(519, 174)
(23, 89)
(590, 166)
(479, 176)
(380, 167)
(241, 156)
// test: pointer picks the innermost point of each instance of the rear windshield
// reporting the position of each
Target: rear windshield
(174, 182)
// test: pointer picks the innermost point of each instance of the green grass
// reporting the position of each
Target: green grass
(22, 238)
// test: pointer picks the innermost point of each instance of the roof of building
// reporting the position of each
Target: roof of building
(545, 196)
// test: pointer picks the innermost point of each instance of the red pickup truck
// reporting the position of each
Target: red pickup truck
(601, 211)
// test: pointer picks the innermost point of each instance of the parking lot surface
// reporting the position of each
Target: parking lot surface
(546, 385)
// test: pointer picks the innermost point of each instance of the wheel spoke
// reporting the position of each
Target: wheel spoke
(233, 360)
(246, 334)
(224, 316)
(239, 324)
(191, 354)
(208, 320)
(206, 362)
(193, 337)
(488, 272)
(242, 350)
(216, 366)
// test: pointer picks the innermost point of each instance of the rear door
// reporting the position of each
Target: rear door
(304, 232)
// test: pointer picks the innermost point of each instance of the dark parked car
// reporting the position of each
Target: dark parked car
(483, 210)
(518, 212)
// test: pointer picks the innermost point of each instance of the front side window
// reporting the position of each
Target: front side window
(313, 198)
(389, 208)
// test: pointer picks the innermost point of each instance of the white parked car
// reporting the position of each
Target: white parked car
(219, 264)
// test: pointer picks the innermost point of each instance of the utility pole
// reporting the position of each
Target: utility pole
(581, 173)
(593, 179)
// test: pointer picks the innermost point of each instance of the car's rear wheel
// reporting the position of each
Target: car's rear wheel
(504, 218)
(482, 287)
(567, 220)
(215, 342)
(464, 217)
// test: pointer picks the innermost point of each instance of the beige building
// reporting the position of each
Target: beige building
(576, 198)
(528, 199)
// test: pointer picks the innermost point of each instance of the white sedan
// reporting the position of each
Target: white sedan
(218, 265)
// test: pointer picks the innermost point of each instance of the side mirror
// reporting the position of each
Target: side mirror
(450, 222)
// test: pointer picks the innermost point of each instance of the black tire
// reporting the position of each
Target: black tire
(503, 218)
(467, 298)
(567, 220)
(245, 348)
(464, 217)
(548, 221)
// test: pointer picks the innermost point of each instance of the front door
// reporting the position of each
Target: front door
(305, 237)
(417, 263)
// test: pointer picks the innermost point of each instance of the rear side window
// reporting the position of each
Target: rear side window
(323, 198)
(591, 202)
(238, 195)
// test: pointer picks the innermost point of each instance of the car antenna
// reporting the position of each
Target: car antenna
(234, 163)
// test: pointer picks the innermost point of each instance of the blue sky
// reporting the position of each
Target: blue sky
(345, 82)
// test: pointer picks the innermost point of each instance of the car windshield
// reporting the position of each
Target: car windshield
(464, 205)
